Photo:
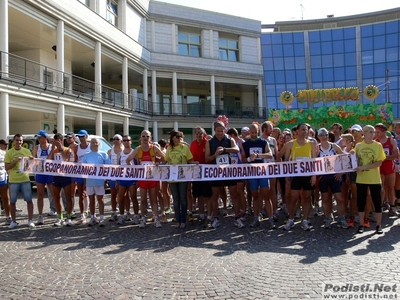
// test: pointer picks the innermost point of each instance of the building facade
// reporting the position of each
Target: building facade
(118, 66)
(353, 51)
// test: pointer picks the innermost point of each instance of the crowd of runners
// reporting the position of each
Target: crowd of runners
(343, 200)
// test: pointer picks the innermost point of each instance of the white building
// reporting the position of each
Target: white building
(118, 66)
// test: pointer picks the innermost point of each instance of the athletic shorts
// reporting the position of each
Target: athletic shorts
(256, 183)
(301, 182)
(61, 181)
(127, 183)
(148, 184)
(219, 183)
(98, 190)
(201, 189)
(79, 180)
(39, 178)
(3, 182)
(112, 183)
(387, 167)
(329, 181)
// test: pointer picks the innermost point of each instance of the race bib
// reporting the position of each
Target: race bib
(222, 159)
(58, 157)
(257, 150)
(147, 163)
(387, 151)
(234, 160)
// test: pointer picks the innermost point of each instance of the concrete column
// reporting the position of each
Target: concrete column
(212, 89)
(99, 123)
(125, 80)
(126, 125)
(176, 125)
(156, 107)
(146, 125)
(211, 43)
(260, 99)
(122, 7)
(61, 119)
(60, 55)
(153, 36)
(174, 93)
(173, 38)
(155, 131)
(4, 97)
(4, 115)
(97, 72)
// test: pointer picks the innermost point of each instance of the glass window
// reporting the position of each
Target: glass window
(327, 74)
(269, 77)
(368, 71)
(277, 50)
(290, 77)
(289, 63)
(280, 76)
(266, 50)
(315, 48)
(301, 76)
(287, 38)
(299, 49)
(337, 34)
(351, 74)
(350, 45)
(316, 61)
(379, 55)
(367, 43)
(392, 54)
(189, 44)
(276, 38)
(270, 89)
(379, 29)
(316, 75)
(278, 63)
(367, 57)
(300, 62)
(339, 75)
(86, 2)
(338, 60)
(338, 46)
(266, 39)
(268, 63)
(326, 35)
(112, 12)
(380, 70)
(313, 36)
(350, 59)
(349, 33)
(298, 37)
(392, 40)
(392, 27)
(366, 30)
(327, 61)
(288, 50)
(326, 48)
(379, 42)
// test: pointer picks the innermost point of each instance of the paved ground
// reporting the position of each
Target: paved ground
(193, 263)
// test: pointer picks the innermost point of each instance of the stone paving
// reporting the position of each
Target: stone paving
(125, 262)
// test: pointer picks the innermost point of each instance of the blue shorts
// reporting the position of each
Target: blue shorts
(61, 181)
(256, 183)
(43, 178)
(79, 180)
(3, 183)
(23, 187)
(127, 183)
(329, 181)
(111, 184)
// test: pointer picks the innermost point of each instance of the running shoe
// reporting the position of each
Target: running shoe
(238, 223)
(40, 220)
(31, 224)
(13, 224)
(289, 225)
(305, 225)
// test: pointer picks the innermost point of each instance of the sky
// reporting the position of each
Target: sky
(269, 12)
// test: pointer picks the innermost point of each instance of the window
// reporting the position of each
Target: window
(228, 49)
(189, 44)
(112, 12)
(86, 2)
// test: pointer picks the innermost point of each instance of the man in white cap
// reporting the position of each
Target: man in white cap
(245, 133)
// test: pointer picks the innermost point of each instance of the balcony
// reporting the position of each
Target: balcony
(31, 74)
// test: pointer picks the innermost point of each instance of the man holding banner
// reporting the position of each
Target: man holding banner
(300, 149)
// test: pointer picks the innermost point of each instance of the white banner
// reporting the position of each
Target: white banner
(318, 166)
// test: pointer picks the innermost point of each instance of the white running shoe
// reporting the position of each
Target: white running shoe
(13, 224)
(31, 224)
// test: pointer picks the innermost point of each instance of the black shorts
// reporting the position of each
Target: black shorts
(219, 183)
(329, 181)
(61, 181)
(201, 189)
(299, 183)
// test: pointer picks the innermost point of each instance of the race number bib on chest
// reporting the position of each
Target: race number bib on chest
(222, 159)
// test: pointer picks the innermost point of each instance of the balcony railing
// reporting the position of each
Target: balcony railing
(22, 71)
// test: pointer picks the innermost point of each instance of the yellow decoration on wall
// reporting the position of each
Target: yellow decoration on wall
(286, 98)
(371, 92)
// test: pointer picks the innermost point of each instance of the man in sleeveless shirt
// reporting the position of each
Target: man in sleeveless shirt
(300, 148)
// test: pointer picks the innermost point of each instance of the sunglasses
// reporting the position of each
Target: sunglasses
(179, 136)
(145, 136)
(116, 139)
(354, 131)
(198, 132)
(323, 135)
(126, 140)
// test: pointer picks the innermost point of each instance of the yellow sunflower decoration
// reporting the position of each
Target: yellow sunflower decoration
(286, 98)
(371, 92)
